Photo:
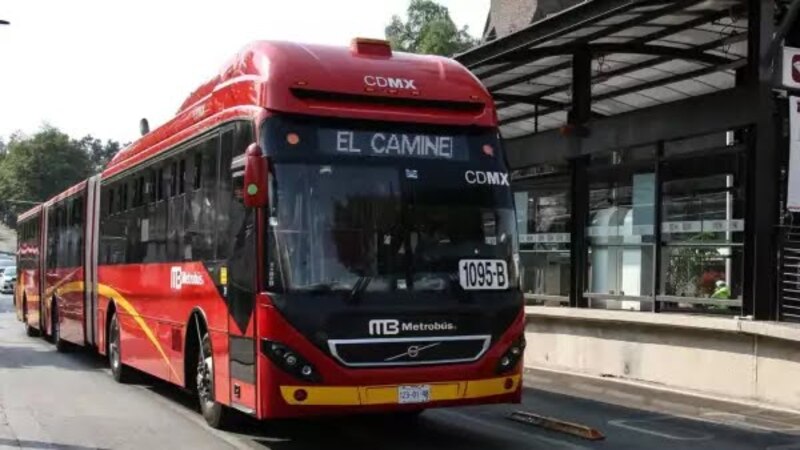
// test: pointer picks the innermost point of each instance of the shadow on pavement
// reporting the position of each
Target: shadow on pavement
(14, 443)
(351, 432)
(22, 356)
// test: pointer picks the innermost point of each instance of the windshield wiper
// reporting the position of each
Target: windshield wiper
(320, 288)
(358, 289)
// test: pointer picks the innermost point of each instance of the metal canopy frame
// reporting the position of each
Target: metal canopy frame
(614, 74)
(643, 53)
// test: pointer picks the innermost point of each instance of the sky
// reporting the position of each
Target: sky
(98, 66)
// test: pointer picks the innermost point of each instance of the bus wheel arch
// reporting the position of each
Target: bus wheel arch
(191, 345)
(110, 311)
(29, 330)
(55, 327)
(199, 366)
(120, 372)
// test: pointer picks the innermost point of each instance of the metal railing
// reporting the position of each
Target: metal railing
(789, 274)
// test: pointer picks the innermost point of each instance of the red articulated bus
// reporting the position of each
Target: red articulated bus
(318, 230)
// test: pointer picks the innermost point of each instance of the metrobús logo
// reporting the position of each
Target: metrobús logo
(178, 278)
(393, 326)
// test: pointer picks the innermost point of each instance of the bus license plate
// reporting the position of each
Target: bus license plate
(475, 274)
(414, 394)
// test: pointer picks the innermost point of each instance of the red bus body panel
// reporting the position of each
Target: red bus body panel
(265, 78)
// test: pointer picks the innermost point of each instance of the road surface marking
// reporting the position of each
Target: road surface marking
(628, 424)
(789, 446)
(505, 430)
(741, 421)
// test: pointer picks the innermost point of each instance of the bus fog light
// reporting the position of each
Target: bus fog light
(512, 355)
(300, 395)
(289, 361)
(508, 384)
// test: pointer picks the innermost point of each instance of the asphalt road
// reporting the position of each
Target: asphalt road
(70, 402)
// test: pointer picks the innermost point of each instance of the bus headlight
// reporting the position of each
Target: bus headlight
(512, 356)
(290, 361)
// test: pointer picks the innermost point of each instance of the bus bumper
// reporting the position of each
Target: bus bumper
(440, 393)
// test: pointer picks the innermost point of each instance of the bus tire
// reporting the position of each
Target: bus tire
(61, 345)
(120, 372)
(216, 414)
(29, 330)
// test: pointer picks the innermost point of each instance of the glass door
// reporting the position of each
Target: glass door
(544, 213)
(620, 231)
(702, 233)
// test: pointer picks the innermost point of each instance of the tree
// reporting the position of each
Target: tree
(428, 29)
(37, 167)
(99, 154)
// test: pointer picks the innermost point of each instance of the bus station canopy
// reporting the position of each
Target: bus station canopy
(643, 54)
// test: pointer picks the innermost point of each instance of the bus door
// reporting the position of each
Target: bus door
(90, 231)
(44, 250)
(237, 275)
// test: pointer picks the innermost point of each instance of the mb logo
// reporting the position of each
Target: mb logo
(177, 278)
(384, 327)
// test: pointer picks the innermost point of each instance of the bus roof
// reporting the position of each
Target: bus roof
(365, 81)
(29, 213)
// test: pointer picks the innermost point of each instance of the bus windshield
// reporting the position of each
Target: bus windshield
(338, 223)
(382, 222)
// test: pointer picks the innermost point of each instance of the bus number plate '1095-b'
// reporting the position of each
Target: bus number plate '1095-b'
(476, 274)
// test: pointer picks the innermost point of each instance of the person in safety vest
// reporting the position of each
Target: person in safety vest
(722, 291)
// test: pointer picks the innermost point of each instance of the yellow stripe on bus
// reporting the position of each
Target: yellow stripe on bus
(121, 301)
(387, 394)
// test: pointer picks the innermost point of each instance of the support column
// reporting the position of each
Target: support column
(760, 293)
(578, 117)
(657, 219)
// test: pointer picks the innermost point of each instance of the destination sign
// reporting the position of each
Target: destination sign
(398, 145)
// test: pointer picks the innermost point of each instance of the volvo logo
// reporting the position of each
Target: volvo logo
(412, 351)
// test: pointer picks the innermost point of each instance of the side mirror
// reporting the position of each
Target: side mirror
(256, 188)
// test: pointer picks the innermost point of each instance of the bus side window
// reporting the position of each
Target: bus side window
(203, 200)
(238, 246)
(226, 209)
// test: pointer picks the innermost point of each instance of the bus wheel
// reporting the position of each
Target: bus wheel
(29, 330)
(61, 345)
(215, 413)
(120, 372)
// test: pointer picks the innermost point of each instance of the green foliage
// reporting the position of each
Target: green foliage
(34, 168)
(692, 271)
(99, 153)
(428, 29)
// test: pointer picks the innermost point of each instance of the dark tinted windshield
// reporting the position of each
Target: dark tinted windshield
(402, 222)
